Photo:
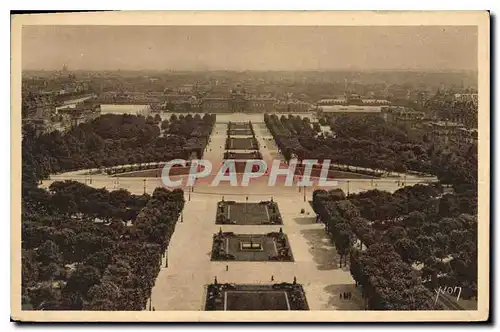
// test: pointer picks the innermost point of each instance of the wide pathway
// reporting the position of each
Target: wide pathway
(182, 284)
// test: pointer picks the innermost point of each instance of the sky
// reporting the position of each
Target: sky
(437, 48)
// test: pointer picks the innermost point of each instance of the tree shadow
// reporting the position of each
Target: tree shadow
(321, 248)
(356, 302)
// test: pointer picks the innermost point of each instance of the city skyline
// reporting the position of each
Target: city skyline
(244, 48)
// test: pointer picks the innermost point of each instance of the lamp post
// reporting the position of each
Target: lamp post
(144, 180)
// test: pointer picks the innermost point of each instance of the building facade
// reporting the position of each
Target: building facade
(293, 106)
(400, 114)
(83, 112)
(238, 101)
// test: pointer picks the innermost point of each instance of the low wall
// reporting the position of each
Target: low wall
(240, 168)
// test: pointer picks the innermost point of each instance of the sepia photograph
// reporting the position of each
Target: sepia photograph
(250, 166)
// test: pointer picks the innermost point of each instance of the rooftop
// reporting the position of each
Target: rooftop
(350, 109)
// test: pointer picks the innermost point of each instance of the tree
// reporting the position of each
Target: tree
(82, 279)
(448, 206)
(414, 219)
(41, 295)
(50, 272)
(48, 252)
(29, 268)
(407, 249)
(100, 260)
(165, 124)
(100, 294)
(426, 245)
(395, 233)
(337, 195)
(343, 243)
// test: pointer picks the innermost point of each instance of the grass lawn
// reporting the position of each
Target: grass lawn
(242, 132)
(255, 300)
(243, 155)
(251, 247)
(248, 214)
(234, 143)
(233, 297)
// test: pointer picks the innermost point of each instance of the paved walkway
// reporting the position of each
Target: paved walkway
(182, 285)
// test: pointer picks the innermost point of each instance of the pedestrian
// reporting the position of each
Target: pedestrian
(227, 267)
(340, 296)
(272, 278)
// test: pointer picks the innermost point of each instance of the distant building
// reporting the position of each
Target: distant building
(375, 102)
(83, 112)
(400, 114)
(467, 97)
(467, 136)
(261, 104)
(333, 101)
(353, 99)
(186, 88)
(446, 132)
(347, 109)
(131, 98)
(293, 106)
(332, 112)
(238, 101)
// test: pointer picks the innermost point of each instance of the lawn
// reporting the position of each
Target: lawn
(233, 143)
(251, 247)
(242, 155)
(232, 297)
(239, 125)
(255, 300)
(239, 132)
(263, 213)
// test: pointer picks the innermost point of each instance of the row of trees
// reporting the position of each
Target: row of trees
(439, 232)
(388, 282)
(83, 257)
(394, 288)
(114, 140)
(88, 248)
(371, 142)
(426, 230)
